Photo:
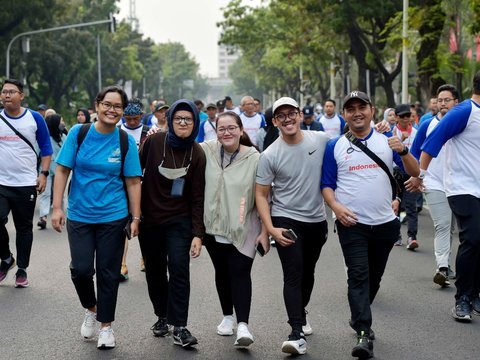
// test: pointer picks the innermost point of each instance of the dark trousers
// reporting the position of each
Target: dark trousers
(366, 249)
(102, 244)
(298, 264)
(168, 246)
(466, 209)
(232, 278)
(410, 202)
(21, 202)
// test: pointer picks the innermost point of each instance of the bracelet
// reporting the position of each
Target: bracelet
(404, 151)
(136, 218)
(398, 199)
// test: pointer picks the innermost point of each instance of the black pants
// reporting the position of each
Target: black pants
(102, 244)
(168, 246)
(232, 278)
(21, 201)
(298, 264)
(466, 209)
(366, 249)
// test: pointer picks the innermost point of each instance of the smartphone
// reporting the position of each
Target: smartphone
(127, 230)
(260, 250)
(290, 234)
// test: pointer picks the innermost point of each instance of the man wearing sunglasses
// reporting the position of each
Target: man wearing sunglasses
(296, 220)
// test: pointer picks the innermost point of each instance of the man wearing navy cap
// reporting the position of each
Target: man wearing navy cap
(309, 122)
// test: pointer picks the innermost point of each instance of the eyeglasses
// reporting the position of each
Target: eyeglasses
(447, 100)
(185, 120)
(10, 92)
(291, 115)
(249, 104)
(231, 129)
(107, 106)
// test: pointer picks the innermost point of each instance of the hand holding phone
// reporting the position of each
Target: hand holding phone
(259, 249)
(290, 234)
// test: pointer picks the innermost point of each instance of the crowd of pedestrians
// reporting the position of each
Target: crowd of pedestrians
(239, 181)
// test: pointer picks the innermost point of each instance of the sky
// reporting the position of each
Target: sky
(190, 22)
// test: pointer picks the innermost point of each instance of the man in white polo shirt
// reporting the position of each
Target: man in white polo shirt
(359, 191)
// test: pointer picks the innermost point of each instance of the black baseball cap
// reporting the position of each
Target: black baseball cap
(403, 109)
(308, 111)
(220, 103)
(360, 95)
(211, 106)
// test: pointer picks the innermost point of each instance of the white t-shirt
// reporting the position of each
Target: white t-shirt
(251, 125)
(136, 132)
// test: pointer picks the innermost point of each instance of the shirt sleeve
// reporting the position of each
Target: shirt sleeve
(342, 124)
(131, 167)
(201, 132)
(329, 167)
(68, 152)
(453, 123)
(42, 135)
(265, 173)
(420, 138)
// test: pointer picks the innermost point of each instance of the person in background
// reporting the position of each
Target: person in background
(19, 178)
(432, 110)
(105, 188)
(57, 138)
(258, 106)
(208, 127)
(160, 121)
(389, 116)
(83, 116)
(232, 162)
(221, 106)
(309, 122)
(199, 104)
(268, 134)
(172, 205)
(230, 107)
(251, 120)
(41, 109)
(333, 124)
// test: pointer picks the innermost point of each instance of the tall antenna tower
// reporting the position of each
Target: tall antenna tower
(133, 16)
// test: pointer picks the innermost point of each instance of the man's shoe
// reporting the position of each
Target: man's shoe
(160, 328)
(371, 335)
(441, 277)
(5, 267)
(106, 338)
(412, 244)
(89, 325)
(244, 337)
(476, 305)
(183, 337)
(42, 223)
(296, 343)
(225, 328)
(21, 280)
(462, 311)
(364, 347)
(123, 273)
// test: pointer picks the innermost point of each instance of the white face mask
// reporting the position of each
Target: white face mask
(172, 174)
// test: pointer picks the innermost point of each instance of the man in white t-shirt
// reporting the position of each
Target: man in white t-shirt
(251, 120)
(332, 123)
(359, 192)
(208, 127)
(230, 107)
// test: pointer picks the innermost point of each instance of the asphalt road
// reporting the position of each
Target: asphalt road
(411, 314)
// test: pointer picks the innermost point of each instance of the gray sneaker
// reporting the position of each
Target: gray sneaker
(441, 277)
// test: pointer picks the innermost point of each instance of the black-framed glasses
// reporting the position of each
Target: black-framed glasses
(186, 120)
(10, 92)
(107, 106)
(231, 129)
(291, 115)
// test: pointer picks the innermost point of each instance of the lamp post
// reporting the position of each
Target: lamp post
(111, 21)
(405, 53)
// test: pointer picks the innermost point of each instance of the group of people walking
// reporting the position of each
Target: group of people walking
(178, 195)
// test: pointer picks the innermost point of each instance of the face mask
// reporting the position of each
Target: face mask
(172, 174)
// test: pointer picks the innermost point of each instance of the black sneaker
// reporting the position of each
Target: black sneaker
(5, 267)
(21, 280)
(441, 277)
(462, 311)
(364, 347)
(160, 328)
(183, 337)
(476, 305)
(371, 335)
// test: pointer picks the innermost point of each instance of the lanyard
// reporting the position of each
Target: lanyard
(234, 155)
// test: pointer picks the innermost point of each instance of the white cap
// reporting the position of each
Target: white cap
(284, 101)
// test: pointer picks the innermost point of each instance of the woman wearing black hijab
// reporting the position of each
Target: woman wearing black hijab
(83, 116)
(172, 207)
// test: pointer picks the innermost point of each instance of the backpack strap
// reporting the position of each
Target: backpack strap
(82, 134)
(145, 130)
(123, 151)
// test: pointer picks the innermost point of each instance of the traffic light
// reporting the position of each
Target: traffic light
(112, 26)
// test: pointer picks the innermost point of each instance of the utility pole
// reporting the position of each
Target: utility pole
(405, 53)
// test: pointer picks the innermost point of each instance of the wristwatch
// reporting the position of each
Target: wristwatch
(45, 173)
(422, 174)
(404, 151)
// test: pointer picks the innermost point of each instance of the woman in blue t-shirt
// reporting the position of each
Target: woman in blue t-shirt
(98, 208)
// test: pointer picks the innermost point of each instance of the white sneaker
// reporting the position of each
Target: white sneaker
(296, 344)
(89, 326)
(307, 329)
(106, 339)
(244, 338)
(226, 326)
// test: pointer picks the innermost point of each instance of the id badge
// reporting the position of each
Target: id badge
(177, 187)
